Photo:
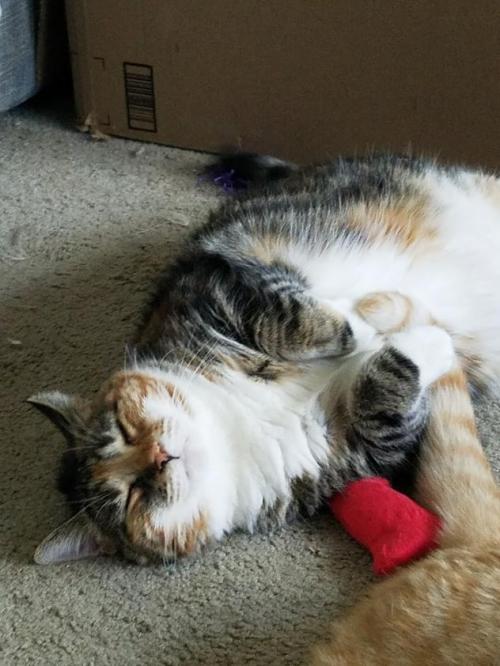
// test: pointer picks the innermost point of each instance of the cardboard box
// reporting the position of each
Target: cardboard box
(300, 79)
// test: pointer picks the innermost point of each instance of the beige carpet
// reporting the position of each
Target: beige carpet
(84, 229)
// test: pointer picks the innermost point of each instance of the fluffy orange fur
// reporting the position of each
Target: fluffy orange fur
(408, 222)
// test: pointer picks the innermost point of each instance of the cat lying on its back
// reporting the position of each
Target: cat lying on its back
(256, 388)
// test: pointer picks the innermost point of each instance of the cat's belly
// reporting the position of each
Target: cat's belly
(455, 274)
(351, 271)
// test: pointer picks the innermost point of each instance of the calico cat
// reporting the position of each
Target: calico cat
(445, 609)
(240, 403)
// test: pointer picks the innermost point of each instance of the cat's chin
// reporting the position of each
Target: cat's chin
(161, 537)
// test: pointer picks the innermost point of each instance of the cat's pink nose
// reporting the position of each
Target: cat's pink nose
(161, 458)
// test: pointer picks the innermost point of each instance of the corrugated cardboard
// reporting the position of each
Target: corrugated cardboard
(300, 79)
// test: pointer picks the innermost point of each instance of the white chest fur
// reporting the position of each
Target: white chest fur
(254, 438)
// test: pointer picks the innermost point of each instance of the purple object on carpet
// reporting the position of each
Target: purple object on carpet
(224, 178)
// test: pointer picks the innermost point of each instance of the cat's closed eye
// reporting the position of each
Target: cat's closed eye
(123, 431)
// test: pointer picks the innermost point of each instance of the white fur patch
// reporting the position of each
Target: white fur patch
(430, 348)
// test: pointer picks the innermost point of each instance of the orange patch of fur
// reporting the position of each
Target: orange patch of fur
(472, 455)
(379, 301)
(126, 393)
(466, 422)
(453, 380)
(405, 222)
(267, 248)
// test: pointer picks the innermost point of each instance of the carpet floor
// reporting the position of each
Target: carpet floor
(85, 227)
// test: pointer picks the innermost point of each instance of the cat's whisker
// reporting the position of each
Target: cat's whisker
(203, 361)
(104, 506)
(64, 524)
(80, 448)
(87, 502)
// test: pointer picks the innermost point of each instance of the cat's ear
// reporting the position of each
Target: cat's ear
(67, 412)
(73, 540)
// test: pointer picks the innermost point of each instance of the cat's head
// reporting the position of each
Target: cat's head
(132, 471)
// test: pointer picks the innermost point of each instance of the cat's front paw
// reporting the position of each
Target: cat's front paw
(391, 311)
(365, 336)
(429, 347)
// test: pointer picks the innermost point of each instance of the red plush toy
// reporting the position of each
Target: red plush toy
(394, 528)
